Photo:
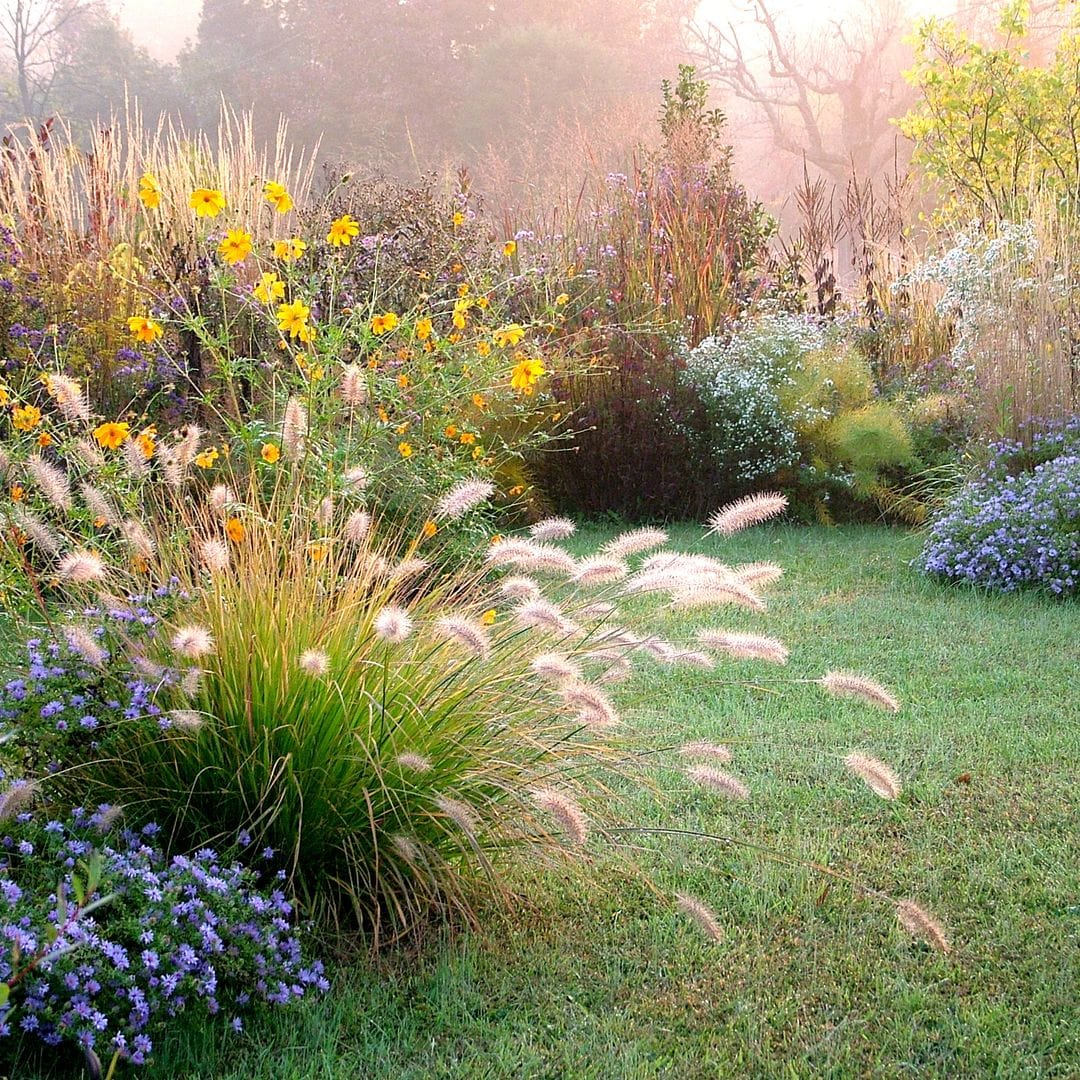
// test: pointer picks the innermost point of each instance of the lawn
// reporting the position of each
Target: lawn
(594, 975)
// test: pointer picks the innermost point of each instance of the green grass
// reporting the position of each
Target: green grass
(595, 976)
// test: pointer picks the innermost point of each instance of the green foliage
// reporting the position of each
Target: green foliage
(991, 126)
(869, 438)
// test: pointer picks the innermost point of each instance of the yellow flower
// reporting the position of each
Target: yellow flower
(144, 329)
(423, 329)
(318, 552)
(517, 489)
(463, 289)
(4, 397)
(44, 439)
(206, 459)
(236, 246)
(316, 373)
(461, 313)
(483, 302)
(509, 248)
(459, 219)
(276, 195)
(342, 231)
(478, 453)
(561, 299)
(385, 323)
(525, 375)
(483, 348)
(508, 335)
(292, 319)
(235, 531)
(479, 401)
(207, 202)
(404, 449)
(430, 528)
(495, 538)
(149, 192)
(467, 438)
(403, 382)
(146, 442)
(111, 435)
(489, 616)
(402, 428)
(384, 416)
(270, 288)
(289, 250)
(270, 452)
(451, 431)
(18, 493)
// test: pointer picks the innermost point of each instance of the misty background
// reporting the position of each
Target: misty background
(524, 93)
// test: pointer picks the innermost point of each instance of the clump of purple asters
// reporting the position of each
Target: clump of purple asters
(1008, 530)
(108, 943)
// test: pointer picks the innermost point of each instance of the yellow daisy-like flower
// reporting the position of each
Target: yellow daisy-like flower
(561, 299)
(483, 348)
(404, 449)
(270, 453)
(289, 250)
(508, 336)
(467, 438)
(18, 493)
(451, 431)
(292, 319)
(111, 435)
(206, 459)
(430, 528)
(45, 439)
(236, 246)
(144, 329)
(276, 195)
(342, 231)
(235, 531)
(489, 616)
(146, 442)
(269, 288)
(384, 323)
(149, 192)
(207, 202)
(509, 248)
(458, 219)
(525, 375)
(318, 552)
(423, 329)
(403, 382)
(479, 401)
(26, 417)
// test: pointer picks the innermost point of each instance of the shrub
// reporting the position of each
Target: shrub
(112, 944)
(1010, 530)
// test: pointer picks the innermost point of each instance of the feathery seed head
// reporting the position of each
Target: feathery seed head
(704, 748)
(730, 592)
(553, 528)
(314, 662)
(392, 624)
(81, 641)
(354, 386)
(747, 511)
(745, 646)
(921, 924)
(462, 497)
(81, 568)
(221, 497)
(700, 915)
(69, 397)
(590, 705)
(193, 642)
(543, 615)
(98, 505)
(294, 428)
(634, 542)
(214, 555)
(758, 574)
(16, 797)
(135, 459)
(718, 781)
(137, 536)
(600, 570)
(459, 813)
(555, 668)
(565, 811)
(840, 684)
(416, 762)
(52, 481)
(877, 776)
(519, 588)
(186, 719)
(462, 631)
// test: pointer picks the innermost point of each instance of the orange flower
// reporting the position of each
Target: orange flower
(270, 453)
(423, 329)
(111, 435)
(403, 382)
(318, 552)
(17, 493)
(146, 443)
(458, 219)
(451, 432)
(467, 438)
(235, 531)
(525, 375)
(384, 323)
(479, 401)
(483, 348)
(463, 289)
(430, 528)
(44, 439)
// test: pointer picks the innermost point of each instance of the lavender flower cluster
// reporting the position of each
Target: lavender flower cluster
(128, 941)
(61, 706)
(1006, 532)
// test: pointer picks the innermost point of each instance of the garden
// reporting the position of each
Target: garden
(438, 643)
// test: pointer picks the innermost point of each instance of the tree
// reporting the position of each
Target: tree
(33, 30)
(829, 101)
(994, 129)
